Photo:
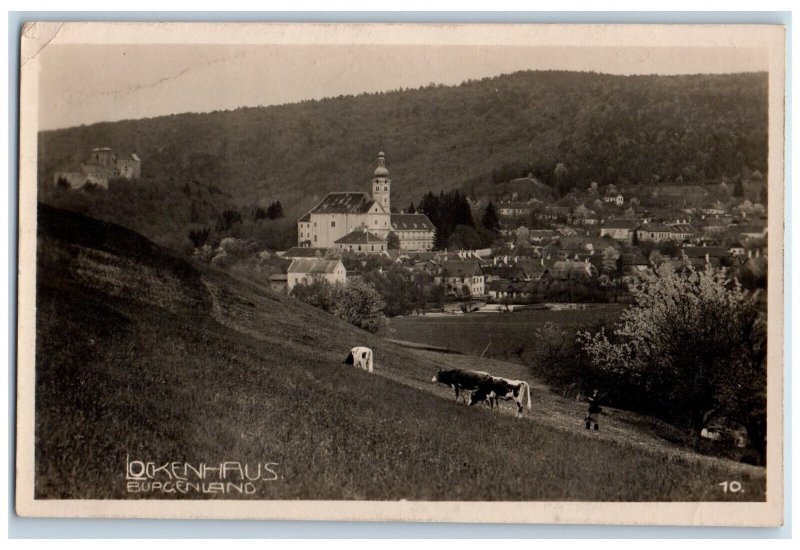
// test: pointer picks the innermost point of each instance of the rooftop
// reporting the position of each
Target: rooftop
(361, 237)
(346, 202)
(314, 266)
(304, 252)
(411, 222)
(622, 224)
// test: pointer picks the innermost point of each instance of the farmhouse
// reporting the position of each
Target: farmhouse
(620, 229)
(343, 212)
(682, 230)
(299, 271)
(103, 165)
(458, 275)
(511, 290)
(300, 253)
(362, 241)
(617, 199)
(655, 231)
(513, 209)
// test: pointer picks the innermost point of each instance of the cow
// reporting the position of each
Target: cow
(461, 380)
(360, 357)
(495, 388)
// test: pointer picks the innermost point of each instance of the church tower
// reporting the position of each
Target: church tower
(381, 184)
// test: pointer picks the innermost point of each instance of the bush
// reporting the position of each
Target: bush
(356, 302)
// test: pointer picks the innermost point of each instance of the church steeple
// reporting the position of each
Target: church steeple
(381, 184)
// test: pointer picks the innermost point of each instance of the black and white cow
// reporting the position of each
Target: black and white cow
(360, 357)
(461, 380)
(494, 388)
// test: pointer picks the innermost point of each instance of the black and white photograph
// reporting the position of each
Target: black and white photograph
(464, 273)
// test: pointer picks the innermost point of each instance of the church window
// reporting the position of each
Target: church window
(333, 224)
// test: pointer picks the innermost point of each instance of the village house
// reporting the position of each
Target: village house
(456, 275)
(654, 231)
(620, 229)
(300, 253)
(682, 230)
(341, 213)
(103, 165)
(570, 269)
(362, 241)
(304, 271)
(511, 291)
(513, 209)
(503, 272)
(612, 198)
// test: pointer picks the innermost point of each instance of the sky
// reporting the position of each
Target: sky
(87, 83)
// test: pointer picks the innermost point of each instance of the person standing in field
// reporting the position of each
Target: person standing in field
(594, 410)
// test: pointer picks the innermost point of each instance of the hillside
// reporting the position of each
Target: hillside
(143, 356)
(604, 128)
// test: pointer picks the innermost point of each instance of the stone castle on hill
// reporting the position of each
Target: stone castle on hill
(360, 222)
(103, 165)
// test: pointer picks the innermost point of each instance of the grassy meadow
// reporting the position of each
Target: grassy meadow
(140, 356)
(508, 332)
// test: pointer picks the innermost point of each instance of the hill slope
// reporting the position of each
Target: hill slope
(605, 128)
(142, 356)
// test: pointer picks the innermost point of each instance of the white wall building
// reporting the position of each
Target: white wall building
(341, 213)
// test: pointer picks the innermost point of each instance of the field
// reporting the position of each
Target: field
(506, 334)
(142, 356)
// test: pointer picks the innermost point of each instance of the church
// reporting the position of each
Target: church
(360, 222)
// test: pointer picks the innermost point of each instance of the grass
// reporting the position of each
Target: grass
(193, 365)
(508, 333)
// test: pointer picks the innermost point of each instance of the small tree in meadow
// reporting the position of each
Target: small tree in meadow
(361, 305)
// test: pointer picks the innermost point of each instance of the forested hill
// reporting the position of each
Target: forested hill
(603, 128)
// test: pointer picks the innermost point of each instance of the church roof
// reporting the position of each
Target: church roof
(411, 222)
(360, 237)
(346, 202)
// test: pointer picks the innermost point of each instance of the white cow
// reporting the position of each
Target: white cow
(360, 357)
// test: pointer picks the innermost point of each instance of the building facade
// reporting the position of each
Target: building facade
(330, 223)
(299, 271)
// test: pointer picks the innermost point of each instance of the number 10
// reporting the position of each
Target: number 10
(731, 486)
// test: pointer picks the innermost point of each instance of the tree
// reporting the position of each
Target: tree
(464, 238)
(317, 292)
(560, 175)
(738, 189)
(411, 209)
(694, 345)
(199, 236)
(358, 303)
(392, 241)
(490, 220)
(275, 210)
(610, 260)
